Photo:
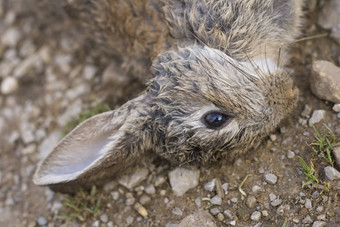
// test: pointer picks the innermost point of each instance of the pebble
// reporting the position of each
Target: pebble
(325, 82)
(183, 179)
(256, 189)
(261, 169)
(234, 199)
(336, 107)
(210, 185)
(228, 214)
(104, 218)
(225, 188)
(276, 202)
(220, 216)
(171, 225)
(255, 216)
(319, 224)
(317, 116)
(251, 201)
(30, 149)
(132, 180)
(219, 189)
(89, 72)
(264, 213)
(332, 173)
(115, 195)
(129, 220)
(270, 178)
(200, 218)
(272, 196)
(273, 137)
(308, 204)
(42, 221)
(177, 211)
(307, 220)
(11, 37)
(215, 211)
(160, 180)
(9, 85)
(319, 209)
(336, 153)
(198, 202)
(141, 210)
(290, 154)
(150, 189)
(306, 111)
(216, 200)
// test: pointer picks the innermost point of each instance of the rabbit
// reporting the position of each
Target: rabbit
(219, 85)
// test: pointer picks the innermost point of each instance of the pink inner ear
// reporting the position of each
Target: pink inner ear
(66, 165)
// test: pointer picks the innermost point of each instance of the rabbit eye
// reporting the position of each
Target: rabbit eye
(215, 120)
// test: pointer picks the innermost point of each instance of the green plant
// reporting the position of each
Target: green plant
(97, 109)
(324, 143)
(309, 172)
(82, 206)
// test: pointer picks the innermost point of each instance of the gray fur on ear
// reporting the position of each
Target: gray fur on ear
(98, 148)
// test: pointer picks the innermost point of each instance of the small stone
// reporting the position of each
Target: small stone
(210, 185)
(11, 37)
(182, 179)
(177, 211)
(171, 225)
(234, 199)
(104, 218)
(321, 217)
(290, 154)
(261, 169)
(272, 196)
(317, 116)
(336, 153)
(132, 180)
(325, 81)
(220, 216)
(216, 200)
(256, 189)
(251, 201)
(42, 221)
(225, 188)
(89, 72)
(215, 211)
(150, 189)
(332, 173)
(129, 220)
(273, 137)
(115, 195)
(9, 85)
(255, 216)
(228, 214)
(306, 111)
(270, 178)
(264, 213)
(141, 210)
(108, 187)
(336, 107)
(130, 201)
(319, 224)
(296, 220)
(200, 218)
(276, 202)
(233, 223)
(308, 204)
(160, 180)
(319, 209)
(307, 220)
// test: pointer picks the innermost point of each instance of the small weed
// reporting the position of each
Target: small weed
(324, 143)
(309, 172)
(97, 109)
(82, 206)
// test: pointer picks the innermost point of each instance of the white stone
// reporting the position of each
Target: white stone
(317, 116)
(132, 180)
(210, 185)
(336, 107)
(332, 173)
(255, 216)
(270, 178)
(216, 200)
(9, 85)
(11, 37)
(182, 179)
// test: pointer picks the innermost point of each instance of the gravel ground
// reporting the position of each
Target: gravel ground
(48, 75)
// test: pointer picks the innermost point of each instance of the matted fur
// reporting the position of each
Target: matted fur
(222, 57)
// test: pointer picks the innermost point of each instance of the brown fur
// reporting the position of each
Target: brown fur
(224, 60)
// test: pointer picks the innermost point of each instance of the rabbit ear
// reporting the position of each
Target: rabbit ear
(98, 148)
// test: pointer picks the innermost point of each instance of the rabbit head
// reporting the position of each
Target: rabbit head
(200, 105)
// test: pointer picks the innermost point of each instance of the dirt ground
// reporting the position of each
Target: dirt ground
(59, 76)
